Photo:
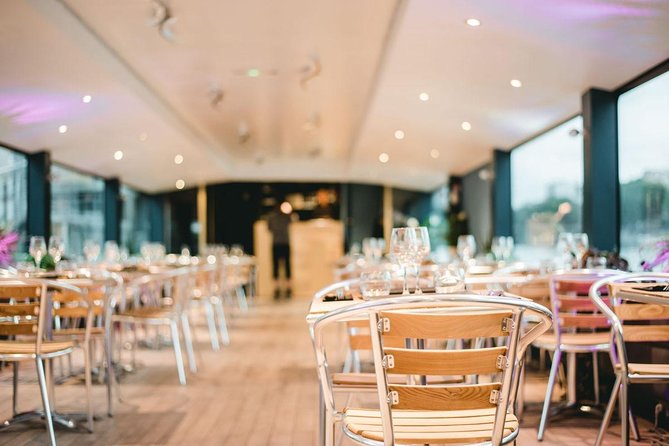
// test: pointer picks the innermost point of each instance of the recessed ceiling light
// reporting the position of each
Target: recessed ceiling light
(473, 22)
(180, 184)
(384, 157)
(434, 153)
(399, 134)
(516, 83)
(143, 136)
(178, 159)
(424, 97)
(62, 129)
(118, 155)
(466, 126)
(86, 99)
(253, 72)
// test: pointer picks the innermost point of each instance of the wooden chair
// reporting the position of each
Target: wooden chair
(631, 321)
(153, 309)
(25, 320)
(579, 327)
(425, 413)
(205, 293)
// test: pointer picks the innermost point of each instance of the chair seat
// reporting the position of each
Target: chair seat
(648, 369)
(429, 427)
(26, 348)
(146, 313)
(66, 332)
(577, 341)
(364, 380)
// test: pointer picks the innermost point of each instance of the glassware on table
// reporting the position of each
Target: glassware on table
(56, 248)
(466, 247)
(112, 252)
(91, 251)
(37, 249)
(379, 248)
(401, 246)
(375, 284)
(497, 247)
(581, 246)
(507, 248)
(565, 249)
(236, 251)
(420, 250)
(448, 279)
(367, 247)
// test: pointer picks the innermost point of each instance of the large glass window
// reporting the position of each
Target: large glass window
(77, 208)
(135, 226)
(643, 141)
(547, 189)
(13, 191)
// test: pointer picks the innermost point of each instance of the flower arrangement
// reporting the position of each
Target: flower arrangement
(662, 257)
(8, 241)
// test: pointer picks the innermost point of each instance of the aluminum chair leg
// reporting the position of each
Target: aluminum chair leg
(211, 323)
(624, 419)
(606, 420)
(15, 393)
(222, 322)
(185, 328)
(329, 429)
(109, 367)
(549, 393)
(89, 383)
(44, 391)
(177, 352)
(633, 425)
(595, 374)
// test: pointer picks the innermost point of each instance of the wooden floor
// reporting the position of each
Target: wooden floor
(261, 390)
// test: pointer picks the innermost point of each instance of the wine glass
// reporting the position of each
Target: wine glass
(56, 248)
(91, 251)
(401, 241)
(367, 247)
(581, 246)
(379, 248)
(112, 252)
(420, 249)
(565, 248)
(466, 247)
(497, 247)
(507, 248)
(37, 249)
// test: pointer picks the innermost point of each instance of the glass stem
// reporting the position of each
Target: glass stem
(418, 290)
(406, 282)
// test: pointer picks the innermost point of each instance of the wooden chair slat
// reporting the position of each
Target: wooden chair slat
(19, 309)
(631, 312)
(20, 328)
(20, 291)
(444, 362)
(576, 303)
(71, 312)
(458, 397)
(646, 333)
(446, 326)
(583, 321)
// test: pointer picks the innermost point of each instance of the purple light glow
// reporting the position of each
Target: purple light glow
(25, 108)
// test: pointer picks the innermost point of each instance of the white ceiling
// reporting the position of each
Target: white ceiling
(375, 58)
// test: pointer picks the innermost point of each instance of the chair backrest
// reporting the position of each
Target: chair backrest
(573, 310)
(23, 307)
(631, 320)
(441, 317)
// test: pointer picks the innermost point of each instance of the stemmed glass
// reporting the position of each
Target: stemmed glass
(91, 251)
(56, 248)
(565, 248)
(581, 246)
(466, 247)
(401, 243)
(420, 250)
(37, 249)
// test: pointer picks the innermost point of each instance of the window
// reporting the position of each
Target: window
(643, 145)
(77, 208)
(135, 229)
(547, 189)
(13, 191)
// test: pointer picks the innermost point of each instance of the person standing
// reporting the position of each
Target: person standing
(277, 222)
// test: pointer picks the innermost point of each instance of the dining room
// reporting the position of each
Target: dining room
(334, 222)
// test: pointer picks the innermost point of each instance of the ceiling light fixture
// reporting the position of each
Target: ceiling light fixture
(516, 83)
(178, 159)
(62, 129)
(384, 157)
(424, 97)
(118, 155)
(180, 184)
(399, 134)
(86, 99)
(473, 22)
(434, 153)
(466, 126)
